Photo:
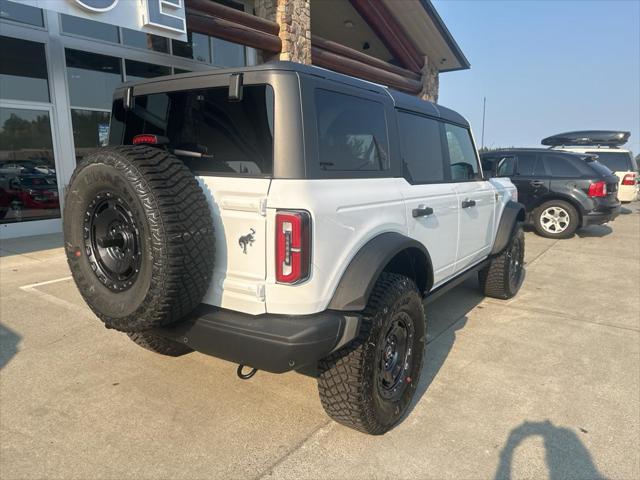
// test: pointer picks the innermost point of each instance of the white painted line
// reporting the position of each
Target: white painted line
(83, 310)
(48, 282)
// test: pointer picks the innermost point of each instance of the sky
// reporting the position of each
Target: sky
(545, 67)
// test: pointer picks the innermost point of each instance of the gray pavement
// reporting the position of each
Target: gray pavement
(546, 385)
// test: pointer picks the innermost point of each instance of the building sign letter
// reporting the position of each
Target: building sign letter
(167, 14)
(97, 5)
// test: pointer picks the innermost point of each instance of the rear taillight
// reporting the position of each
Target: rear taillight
(293, 246)
(629, 179)
(149, 139)
(598, 189)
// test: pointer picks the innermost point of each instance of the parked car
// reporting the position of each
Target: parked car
(606, 145)
(34, 191)
(223, 219)
(561, 191)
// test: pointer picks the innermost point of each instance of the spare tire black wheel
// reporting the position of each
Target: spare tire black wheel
(139, 237)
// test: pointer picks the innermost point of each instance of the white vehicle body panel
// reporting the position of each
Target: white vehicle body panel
(238, 207)
(346, 214)
(438, 232)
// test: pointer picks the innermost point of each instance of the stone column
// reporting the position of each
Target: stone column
(430, 81)
(294, 18)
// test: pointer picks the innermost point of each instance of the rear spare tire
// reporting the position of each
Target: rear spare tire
(138, 237)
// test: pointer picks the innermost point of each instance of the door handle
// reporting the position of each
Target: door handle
(468, 203)
(536, 183)
(422, 211)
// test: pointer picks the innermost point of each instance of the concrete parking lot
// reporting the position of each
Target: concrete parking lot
(546, 385)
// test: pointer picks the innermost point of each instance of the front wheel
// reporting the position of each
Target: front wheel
(503, 277)
(369, 384)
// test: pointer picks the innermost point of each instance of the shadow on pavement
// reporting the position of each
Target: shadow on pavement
(565, 455)
(594, 231)
(26, 245)
(445, 317)
(9, 341)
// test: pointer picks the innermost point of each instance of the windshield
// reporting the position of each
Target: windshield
(209, 132)
(615, 161)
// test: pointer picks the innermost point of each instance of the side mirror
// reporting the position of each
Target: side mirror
(505, 167)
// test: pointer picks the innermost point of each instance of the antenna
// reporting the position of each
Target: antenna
(484, 110)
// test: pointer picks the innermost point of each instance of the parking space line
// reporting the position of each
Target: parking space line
(48, 282)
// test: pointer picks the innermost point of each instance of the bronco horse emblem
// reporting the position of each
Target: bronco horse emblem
(247, 240)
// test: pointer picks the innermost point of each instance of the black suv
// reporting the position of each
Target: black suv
(561, 191)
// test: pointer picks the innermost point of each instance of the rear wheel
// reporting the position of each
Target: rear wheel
(556, 219)
(138, 237)
(369, 384)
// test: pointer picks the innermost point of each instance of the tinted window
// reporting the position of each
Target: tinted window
(90, 130)
(210, 133)
(559, 166)
(462, 155)
(137, 39)
(89, 28)
(352, 132)
(21, 13)
(141, 70)
(421, 148)
(92, 78)
(23, 70)
(526, 164)
(197, 47)
(616, 161)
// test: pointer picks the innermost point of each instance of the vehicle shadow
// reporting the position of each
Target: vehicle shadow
(445, 316)
(9, 341)
(565, 455)
(594, 231)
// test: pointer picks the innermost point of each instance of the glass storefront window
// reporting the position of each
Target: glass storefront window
(89, 28)
(21, 13)
(197, 47)
(28, 186)
(92, 78)
(90, 131)
(140, 70)
(147, 41)
(23, 70)
(228, 54)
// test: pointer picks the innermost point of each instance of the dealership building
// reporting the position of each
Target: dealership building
(60, 61)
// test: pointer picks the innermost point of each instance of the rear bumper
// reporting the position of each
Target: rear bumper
(274, 343)
(598, 217)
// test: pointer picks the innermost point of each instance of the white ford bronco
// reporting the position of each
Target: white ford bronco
(285, 217)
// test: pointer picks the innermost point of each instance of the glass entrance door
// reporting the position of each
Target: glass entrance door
(28, 182)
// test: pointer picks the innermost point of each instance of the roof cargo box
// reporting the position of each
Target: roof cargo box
(610, 138)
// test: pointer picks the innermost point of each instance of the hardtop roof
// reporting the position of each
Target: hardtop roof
(401, 100)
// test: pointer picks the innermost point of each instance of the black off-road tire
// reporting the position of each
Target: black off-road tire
(349, 379)
(165, 232)
(573, 224)
(159, 344)
(498, 279)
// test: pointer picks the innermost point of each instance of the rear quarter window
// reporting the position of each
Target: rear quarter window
(352, 133)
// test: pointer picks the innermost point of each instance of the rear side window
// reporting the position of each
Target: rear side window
(352, 133)
(526, 164)
(462, 155)
(211, 134)
(559, 166)
(421, 148)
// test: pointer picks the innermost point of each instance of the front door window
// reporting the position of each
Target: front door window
(28, 184)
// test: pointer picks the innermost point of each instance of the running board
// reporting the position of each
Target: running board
(454, 282)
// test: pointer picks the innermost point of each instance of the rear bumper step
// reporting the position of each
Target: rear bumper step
(274, 343)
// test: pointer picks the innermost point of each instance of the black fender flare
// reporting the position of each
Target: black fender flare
(356, 284)
(512, 215)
